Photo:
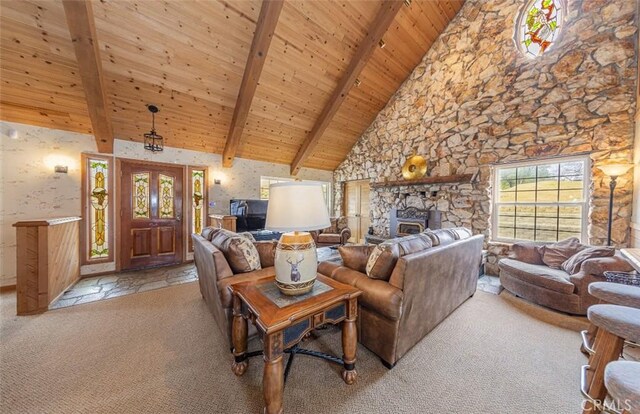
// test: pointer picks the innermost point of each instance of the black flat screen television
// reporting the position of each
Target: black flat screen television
(251, 214)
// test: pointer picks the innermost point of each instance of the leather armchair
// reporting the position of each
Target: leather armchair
(337, 234)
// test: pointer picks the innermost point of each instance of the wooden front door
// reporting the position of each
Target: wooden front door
(151, 215)
(356, 208)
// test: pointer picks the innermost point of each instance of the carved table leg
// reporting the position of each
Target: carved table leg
(239, 338)
(273, 379)
(350, 343)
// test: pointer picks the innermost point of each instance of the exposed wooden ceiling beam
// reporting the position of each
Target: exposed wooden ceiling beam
(85, 43)
(266, 26)
(383, 20)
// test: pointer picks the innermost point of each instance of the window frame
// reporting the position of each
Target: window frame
(328, 200)
(495, 203)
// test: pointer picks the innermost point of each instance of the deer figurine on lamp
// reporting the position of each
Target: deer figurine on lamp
(295, 273)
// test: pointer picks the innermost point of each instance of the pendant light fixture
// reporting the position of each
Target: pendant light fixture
(152, 141)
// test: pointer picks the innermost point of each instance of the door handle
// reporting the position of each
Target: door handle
(179, 218)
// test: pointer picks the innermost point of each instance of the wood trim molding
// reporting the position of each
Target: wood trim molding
(379, 27)
(82, 28)
(442, 179)
(265, 28)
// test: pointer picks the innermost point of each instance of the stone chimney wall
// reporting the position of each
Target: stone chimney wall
(475, 101)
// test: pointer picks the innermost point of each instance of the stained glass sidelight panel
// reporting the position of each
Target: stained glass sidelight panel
(166, 196)
(539, 26)
(99, 204)
(140, 195)
(197, 212)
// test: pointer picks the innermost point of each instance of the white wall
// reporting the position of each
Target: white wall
(29, 189)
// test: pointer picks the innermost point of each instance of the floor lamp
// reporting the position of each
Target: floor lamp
(613, 171)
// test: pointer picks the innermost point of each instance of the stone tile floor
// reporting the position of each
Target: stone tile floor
(96, 288)
(490, 284)
(91, 289)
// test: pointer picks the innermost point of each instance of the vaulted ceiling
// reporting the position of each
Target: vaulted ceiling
(189, 59)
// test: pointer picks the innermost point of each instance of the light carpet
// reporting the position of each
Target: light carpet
(159, 352)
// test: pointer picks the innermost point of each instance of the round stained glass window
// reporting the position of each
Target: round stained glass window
(539, 26)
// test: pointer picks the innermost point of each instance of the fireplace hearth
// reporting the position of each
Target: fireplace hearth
(412, 220)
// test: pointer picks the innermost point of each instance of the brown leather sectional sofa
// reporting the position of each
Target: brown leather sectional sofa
(430, 276)
(215, 274)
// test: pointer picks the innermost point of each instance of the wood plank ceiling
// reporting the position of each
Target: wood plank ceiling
(188, 58)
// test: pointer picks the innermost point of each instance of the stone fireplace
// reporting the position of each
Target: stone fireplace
(412, 220)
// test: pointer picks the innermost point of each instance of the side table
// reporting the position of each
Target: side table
(283, 321)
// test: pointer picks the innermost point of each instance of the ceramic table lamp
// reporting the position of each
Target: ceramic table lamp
(295, 208)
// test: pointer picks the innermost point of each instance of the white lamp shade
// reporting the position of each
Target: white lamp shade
(296, 206)
(615, 170)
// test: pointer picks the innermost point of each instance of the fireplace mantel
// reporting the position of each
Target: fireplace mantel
(443, 179)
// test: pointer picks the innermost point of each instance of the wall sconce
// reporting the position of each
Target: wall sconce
(217, 181)
(59, 163)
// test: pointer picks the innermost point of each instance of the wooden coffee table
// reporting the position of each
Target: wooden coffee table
(283, 321)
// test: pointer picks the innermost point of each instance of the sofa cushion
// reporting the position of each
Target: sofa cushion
(208, 232)
(241, 254)
(413, 244)
(223, 285)
(333, 228)
(329, 238)
(441, 237)
(248, 235)
(554, 255)
(527, 252)
(266, 251)
(356, 256)
(573, 264)
(382, 260)
(538, 275)
(461, 233)
(377, 295)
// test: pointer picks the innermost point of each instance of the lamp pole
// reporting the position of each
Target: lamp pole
(612, 187)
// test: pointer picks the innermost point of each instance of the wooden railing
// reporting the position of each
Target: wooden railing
(48, 261)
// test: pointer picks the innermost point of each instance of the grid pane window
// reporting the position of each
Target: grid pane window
(541, 202)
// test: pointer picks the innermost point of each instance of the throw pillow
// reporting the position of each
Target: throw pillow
(527, 253)
(239, 251)
(248, 235)
(382, 260)
(574, 263)
(554, 255)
